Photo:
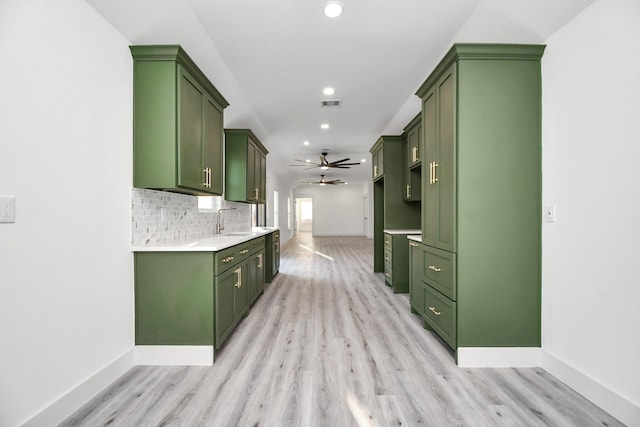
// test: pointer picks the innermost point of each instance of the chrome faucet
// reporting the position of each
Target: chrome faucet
(219, 226)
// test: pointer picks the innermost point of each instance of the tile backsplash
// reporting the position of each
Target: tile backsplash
(159, 218)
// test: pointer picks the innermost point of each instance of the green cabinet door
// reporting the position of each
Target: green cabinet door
(256, 275)
(225, 286)
(213, 146)
(263, 177)
(191, 170)
(416, 293)
(241, 295)
(438, 109)
(412, 139)
(377, 161)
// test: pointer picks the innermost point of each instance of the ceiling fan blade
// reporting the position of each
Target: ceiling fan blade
(351, 164)
(340, 161)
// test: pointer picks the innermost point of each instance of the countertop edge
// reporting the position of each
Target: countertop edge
(214, 243)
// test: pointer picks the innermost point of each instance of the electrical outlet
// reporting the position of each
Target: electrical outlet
(7, 209)
(549, 213)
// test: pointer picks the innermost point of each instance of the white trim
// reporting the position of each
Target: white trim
(623, 409)
(172, 355)
(498, 357)
(70, 402)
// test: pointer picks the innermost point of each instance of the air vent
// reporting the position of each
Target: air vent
(331, 103)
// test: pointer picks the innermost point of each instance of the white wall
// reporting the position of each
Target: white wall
(66, 284)
(284, 190)
(337, 210)
(591, 172)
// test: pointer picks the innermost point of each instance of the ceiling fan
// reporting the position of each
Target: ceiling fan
(324, 182)
(326, 164)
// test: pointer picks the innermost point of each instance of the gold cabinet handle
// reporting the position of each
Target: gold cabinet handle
(431, 173)
(434, 268)
(206, 177)
(434, 311)
(238, 284)
(387, 274)
(375, 170)
(415, 245)
(227, 259)
(415, 153)
(408, 190)
(244, 251)
(435, 170)
(255, 193)
(259, 260)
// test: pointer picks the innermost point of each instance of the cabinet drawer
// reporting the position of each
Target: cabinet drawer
(439, 270)
(388, 241)
(224, 259)
(440, 314)
(388, 274)
(388, 256)
(257, 244)
(242, 251)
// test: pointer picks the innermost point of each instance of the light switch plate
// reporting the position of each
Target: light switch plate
(7, 209)
(549, 213)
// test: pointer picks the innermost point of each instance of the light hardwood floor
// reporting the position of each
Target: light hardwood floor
(328, 344)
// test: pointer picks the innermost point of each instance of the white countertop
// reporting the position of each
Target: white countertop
(417, 238)
(213, 243)
(402, 231)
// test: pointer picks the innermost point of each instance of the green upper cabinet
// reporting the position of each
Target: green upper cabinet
(245, 163)
(481, 195)
(178, 123)
(412, 139)
(377, 161)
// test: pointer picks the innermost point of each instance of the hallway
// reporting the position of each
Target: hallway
(329, 345)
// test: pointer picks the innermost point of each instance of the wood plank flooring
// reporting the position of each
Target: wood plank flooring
(328, 344)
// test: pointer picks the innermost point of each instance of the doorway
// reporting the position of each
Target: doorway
(304, 215)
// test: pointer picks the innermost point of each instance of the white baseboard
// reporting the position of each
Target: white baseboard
(177, 355)
(498, 357)
(66, 405)
(624, 410)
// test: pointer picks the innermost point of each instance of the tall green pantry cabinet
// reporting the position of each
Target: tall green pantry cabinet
(178, 123)
(481, 196)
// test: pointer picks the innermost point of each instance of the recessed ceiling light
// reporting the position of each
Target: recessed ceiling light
(324, 168)
(333, 9)
(324, 126)
(308, 161)
(306, 143)
(328, 91)
(363, 160)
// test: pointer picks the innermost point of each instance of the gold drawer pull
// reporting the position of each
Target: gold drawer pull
(415, 245)
(244, 251)
(387, 274)
(434, 268)
(434, 311)
(227, 259)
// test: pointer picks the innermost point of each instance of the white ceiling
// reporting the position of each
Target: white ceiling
(272, 58)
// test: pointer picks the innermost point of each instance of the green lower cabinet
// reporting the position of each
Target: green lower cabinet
(174, 298)
(396, 261)
(196, 298)
(272, 255)
(256, 271)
